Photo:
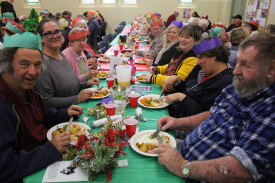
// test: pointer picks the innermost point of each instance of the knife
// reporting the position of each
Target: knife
(69, 125)
(98, 89)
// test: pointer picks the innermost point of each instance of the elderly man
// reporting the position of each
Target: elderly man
(171, 18)
(93, 27)
(234, 142)
(203, 23)
(24, 118)
(236, 23)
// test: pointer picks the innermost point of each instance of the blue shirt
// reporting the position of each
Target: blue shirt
(243, 128)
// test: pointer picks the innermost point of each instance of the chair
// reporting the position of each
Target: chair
(123, 23)
(103, 30)
(110, 38)
(102, 44)
(102, 50)
(117, 30)
(104, 38)
(120, 28)
(114, 35)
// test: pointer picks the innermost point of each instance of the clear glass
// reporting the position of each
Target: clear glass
(120, 98)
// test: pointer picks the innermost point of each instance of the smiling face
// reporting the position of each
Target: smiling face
(54, 42)
(27, 64)
(78, 45)
(186, 42)
(157, 30)
(207, 65)
(249, 77)
(172, 34)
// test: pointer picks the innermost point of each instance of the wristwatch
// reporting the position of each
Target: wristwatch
(186, 170)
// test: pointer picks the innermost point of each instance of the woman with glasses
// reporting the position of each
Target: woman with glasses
(75, 55)
(58, 83)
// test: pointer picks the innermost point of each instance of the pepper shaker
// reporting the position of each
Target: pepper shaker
(97, 114)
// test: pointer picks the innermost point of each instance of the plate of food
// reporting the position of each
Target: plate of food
(141, 60)
(99, 94)
(76, 129)
(103, 74)
(141, 77)
(104, 59)
(142, 143)
(152, 101)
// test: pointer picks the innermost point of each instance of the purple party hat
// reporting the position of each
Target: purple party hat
(207, 45)
(177, 23)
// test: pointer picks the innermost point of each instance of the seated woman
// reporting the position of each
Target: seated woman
(171, 42)
(199, 90)
(76, 57)
(58, 84)
(184, 59)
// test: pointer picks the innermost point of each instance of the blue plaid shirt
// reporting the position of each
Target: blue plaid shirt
(243, 128)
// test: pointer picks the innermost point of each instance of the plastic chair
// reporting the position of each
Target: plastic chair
(114, 35)
(110, 38)
(102, 44)
(104, 38)
(102, 50)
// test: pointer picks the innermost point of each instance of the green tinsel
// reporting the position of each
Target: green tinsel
(31, 22)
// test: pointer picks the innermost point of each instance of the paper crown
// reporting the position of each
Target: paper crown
(45, 12)
(63, 23)
(76, 20)
(157, 14)
(207, 45)
(76, 35)
(91, 12)
(216, 31)
(254, 23)
(204, 16)
(148, 15)
(14, 27)
(177, 23)
(218, 25)
(156, 23)
(8, 15)
(25, 40)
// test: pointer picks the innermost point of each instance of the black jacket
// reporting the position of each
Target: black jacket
(199, 96)
(168, 55)
(8, 7)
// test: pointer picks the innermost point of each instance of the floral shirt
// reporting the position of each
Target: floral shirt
(243, 128)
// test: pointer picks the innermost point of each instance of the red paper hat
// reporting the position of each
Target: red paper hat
(76, 35)
(76, 20)
(254, 23)
(91, 12)
(156, 23)
(14, 27)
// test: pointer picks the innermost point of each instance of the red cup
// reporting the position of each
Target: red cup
(121, 46)
(131, 126)
(133, 99)
(110, 109)
(133, 39)
(128, 33)
(137, 43)
(110, 82)
(136, 46)
(115, 52)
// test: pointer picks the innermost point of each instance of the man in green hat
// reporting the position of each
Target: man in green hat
(6, 6)
(24, 118)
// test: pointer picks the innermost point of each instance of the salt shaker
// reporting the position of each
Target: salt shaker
(138, 112)
(97, 114)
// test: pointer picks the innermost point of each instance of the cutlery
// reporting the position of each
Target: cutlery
(155, 134)
(98, 89)
(159, 99)
(69, 125)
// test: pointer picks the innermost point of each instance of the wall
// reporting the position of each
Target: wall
(217, 10)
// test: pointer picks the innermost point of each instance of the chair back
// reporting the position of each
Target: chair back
(102, 50)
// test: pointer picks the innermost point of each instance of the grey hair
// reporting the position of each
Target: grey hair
(203, 23)
(80, 22)
(166, 41)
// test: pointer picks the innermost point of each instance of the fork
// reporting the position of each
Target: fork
(155, 134)
(159, 99)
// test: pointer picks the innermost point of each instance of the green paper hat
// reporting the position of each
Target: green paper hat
(25, 40)
(14, 27)
(8, 15)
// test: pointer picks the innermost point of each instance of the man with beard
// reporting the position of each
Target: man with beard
(234, 141)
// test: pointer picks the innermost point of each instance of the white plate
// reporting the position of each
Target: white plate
(139, 137)
(93, 89)
(101, 59)
(139, 61)
(143, 81)
(82, 125)
(108, 72)
(151, 95)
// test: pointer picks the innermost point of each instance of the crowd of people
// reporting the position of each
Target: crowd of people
(219, 83)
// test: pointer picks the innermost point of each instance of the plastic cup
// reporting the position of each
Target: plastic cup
(123, 74)
(110, 109)
(110, 82)
(128, 33)
(115, 52)
(131, 126)
(133, 99)
(133, 39)
(136, 46)
(121, 46)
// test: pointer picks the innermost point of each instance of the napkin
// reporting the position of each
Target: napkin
(105, 120)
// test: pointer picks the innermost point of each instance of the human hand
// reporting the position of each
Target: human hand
(75, 110)
(149, 55)
(148, 77)
(92, 61)
(166, 122)
(91, 74)
(137, 52)
(99, 55)
(149, 63)
(153, 70)
(174, 97)
(93, 81)
(84, 95)
(169, 82)
(171, 159)
(61, 142)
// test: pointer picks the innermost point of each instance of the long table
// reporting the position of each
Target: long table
(140, 168)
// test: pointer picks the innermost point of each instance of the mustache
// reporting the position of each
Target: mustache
(240, 77)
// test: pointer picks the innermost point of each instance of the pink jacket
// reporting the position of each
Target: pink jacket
(72, 58)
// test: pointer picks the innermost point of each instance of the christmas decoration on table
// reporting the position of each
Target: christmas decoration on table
(99, 153)
(31, 22)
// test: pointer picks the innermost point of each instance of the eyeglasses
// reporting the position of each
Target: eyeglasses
(50, 34)
(81, 40)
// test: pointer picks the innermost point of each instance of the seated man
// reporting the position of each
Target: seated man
(234, 142)
(24, 118)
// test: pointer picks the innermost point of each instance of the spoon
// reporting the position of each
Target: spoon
(145, 119)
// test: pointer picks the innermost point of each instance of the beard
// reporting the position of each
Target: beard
(246, 89)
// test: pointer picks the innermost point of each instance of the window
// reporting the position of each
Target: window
(32, 2)
(87, 1)
(186, 2)
(130, 1)
(109, 1)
